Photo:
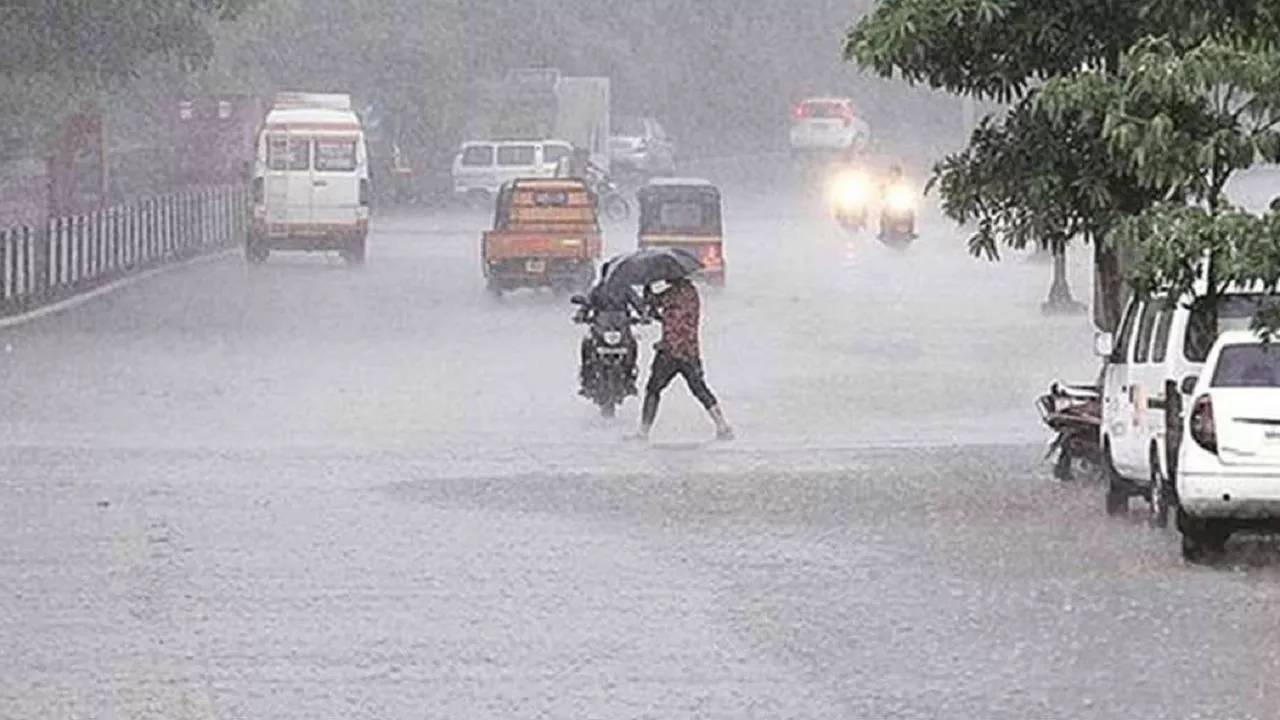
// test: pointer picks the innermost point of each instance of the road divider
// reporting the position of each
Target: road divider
(76, 258)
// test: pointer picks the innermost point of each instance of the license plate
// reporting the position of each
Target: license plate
(611, 351)
(536, 266)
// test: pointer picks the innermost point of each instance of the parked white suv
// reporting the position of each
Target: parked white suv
(828, 124)
(1145, 389)
(1229, 465)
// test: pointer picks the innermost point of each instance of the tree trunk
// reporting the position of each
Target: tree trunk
(1110, 288)
(1060, 300)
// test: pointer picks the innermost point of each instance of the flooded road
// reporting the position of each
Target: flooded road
(299, 491)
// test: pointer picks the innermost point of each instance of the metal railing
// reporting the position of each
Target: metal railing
(71, 255)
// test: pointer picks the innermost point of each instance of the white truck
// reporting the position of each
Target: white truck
(540, 104)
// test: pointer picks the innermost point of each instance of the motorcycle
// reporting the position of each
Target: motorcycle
(609, 199)
(1074, 412)
(898, 217)
(848, 194)
(609, 355)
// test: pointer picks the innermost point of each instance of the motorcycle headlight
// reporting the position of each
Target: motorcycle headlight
(613, 337)
(849, 190)
(901, 199)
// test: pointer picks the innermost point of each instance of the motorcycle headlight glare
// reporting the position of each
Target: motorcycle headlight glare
(613, 337)
(901, 199)
(849, 190)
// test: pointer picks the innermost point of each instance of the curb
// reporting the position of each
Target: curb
(122, 283)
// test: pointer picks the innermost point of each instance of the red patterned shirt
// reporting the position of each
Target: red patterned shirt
(681, 311)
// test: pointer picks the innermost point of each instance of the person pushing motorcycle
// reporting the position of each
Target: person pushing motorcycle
(678, 353)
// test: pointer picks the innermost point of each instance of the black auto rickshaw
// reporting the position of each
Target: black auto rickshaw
(685, 213)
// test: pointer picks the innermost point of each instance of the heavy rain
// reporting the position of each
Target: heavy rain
(336, 338)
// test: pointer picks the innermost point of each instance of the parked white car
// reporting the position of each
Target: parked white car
(828, 124)
(483, 167)
(1229, 464)
(642, 146)
(1145, 388)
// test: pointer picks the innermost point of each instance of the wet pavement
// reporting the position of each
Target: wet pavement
(301, 491)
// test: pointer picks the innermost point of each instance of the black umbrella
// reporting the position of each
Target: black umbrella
(650, 265)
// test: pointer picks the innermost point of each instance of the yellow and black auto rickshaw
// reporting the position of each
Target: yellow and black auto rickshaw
(685, 213)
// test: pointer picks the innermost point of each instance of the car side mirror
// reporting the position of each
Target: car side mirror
(578, 300)
(1188, 384)
(1104, 344)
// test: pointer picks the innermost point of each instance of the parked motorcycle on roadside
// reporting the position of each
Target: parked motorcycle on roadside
(610, 200)
(1074, 412)
(609, 355)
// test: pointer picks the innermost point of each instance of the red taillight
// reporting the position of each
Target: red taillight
(798, 112)
(711, 257)
(1203, 431)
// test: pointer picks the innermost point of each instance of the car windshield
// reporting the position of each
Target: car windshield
(1248, 365)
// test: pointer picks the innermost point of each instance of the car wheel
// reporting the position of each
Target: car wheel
(1203, 541)
(257, 255)
(255, 252)
(1117, 488)
(1161, 498)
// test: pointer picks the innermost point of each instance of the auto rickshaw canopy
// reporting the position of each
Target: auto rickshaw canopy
(677, 206)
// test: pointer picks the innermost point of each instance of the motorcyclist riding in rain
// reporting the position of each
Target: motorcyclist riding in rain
(609, 299)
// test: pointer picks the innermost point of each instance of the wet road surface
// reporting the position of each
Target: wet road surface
(298, 491)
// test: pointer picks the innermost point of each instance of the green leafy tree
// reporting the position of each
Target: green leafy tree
(1186, 120)
(1004, 50)
(98, 40)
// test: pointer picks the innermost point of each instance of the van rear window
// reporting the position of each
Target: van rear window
(288, 153)
(477, 156)
(517, 155)
(335, 154)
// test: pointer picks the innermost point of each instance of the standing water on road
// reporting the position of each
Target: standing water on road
(290, 485)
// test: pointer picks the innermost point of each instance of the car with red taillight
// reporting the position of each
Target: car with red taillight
(1229, 464)
(828, 124)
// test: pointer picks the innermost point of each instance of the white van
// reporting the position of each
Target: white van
(483, 167)
(311, 179)
(1151, 367)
